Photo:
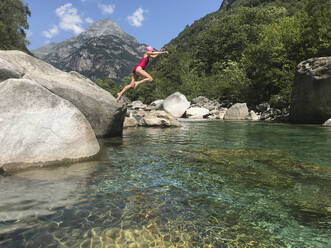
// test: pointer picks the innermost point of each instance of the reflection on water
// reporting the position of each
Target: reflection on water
(208, 184)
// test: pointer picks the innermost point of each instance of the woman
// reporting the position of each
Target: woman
(139, 70)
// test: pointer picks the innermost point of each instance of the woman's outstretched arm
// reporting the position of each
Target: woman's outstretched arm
(155, 54)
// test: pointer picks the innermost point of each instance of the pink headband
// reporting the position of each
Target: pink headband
(149, 48)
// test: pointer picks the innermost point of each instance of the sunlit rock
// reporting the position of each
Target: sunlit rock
(38, 127)
(100, 108)
(159, 118)
(176, 104)
(238, 111)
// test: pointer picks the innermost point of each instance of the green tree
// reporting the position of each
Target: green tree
(13, 23)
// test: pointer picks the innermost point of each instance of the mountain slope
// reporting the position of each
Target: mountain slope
(246, 51)
(102, 51)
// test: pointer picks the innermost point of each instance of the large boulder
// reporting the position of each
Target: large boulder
(176, 104)
(159, 118)
(311, 101)
(238, 111)
(38, 127)
(105, 115)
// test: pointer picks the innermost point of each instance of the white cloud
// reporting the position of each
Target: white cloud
(69, 19)
(89, 20)
(107, 9)
(137, 17)
(51, 32)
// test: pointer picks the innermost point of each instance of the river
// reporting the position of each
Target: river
(207, 184)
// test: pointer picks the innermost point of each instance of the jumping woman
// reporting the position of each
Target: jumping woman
(139, 70)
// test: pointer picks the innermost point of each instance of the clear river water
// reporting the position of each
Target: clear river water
(207, 184)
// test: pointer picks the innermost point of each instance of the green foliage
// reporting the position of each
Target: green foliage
(247, 54)
(13, 23)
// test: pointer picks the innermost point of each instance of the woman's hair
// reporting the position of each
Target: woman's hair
(149, 48)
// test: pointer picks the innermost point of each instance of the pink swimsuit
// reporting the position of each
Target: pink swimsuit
(143, 63)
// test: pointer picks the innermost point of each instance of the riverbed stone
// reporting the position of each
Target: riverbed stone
(196, 112)
(157, 104)
(159, 118)
(252, 116)
(238, 111)
(130, 122)
(39, 127)
(311, 101)
(327, 123)
(137, 105)
(100, 108)
(176, 104)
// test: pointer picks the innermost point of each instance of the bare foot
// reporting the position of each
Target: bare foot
(135, 85)
(118, 96)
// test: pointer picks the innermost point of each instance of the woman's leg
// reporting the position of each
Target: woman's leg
(144, 74)
(130, 85)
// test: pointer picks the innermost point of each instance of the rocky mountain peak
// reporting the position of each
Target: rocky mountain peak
(101, 51)
(102, 28)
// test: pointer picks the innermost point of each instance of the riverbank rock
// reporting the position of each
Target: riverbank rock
(39, 127)
(157, 104)
(130, 122)
(311, 101)
(137, 105)
(327, 123)
(252, 116)
(204, 102)
(176, 104)
(196, 112)
(159, 118)
(100, 108)
(238, 111)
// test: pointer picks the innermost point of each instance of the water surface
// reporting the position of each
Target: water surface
(207, 184)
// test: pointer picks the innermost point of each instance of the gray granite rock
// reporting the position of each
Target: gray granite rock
(40, 128)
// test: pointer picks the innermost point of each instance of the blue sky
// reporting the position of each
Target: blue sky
(153, 22)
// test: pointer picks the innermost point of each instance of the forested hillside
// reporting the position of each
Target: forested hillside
(247, 52)
(13, 24)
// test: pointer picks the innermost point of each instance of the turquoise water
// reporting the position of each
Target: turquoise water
(207, 184)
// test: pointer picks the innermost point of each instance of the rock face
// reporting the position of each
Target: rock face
(38, 126)
(176, 104)
(238, 111)
(102, 51)
(100, 108)
(311, 101)
(159, 118)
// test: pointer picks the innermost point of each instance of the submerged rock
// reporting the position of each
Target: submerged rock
(302, 187)
(38, 127)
